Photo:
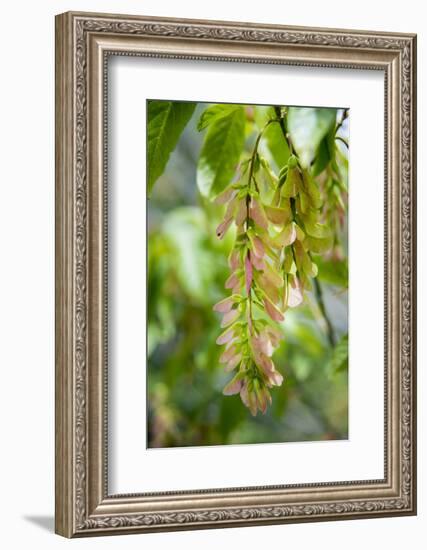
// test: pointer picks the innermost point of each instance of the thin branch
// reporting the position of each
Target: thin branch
(248, 200)
(343, 140)
(341, 122)
(318, 292)
(254, 154)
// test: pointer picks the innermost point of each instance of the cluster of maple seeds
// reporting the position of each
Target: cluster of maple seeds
(271, 267)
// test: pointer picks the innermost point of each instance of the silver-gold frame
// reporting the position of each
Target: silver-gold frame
(84, 42)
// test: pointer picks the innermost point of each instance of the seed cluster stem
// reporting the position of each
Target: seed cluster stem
(248, 200)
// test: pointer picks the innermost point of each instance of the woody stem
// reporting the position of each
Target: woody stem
(320, 302)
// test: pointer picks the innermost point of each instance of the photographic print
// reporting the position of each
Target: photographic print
(247, 305)
(219, 281)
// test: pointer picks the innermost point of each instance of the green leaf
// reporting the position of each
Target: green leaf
(220, 153)
(166, 121)
(322, 158)
(213, 113)
(273, 135)
(325, 153)
(277, 144)
(308, 127)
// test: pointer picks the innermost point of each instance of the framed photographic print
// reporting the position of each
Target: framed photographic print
(235, 274)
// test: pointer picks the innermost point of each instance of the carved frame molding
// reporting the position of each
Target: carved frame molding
(83, 44)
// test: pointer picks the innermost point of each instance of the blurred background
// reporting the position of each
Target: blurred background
(187, 268)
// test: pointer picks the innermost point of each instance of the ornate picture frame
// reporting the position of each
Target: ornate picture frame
(84, 506)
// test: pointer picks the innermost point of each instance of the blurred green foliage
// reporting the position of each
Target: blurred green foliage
(187, 268)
